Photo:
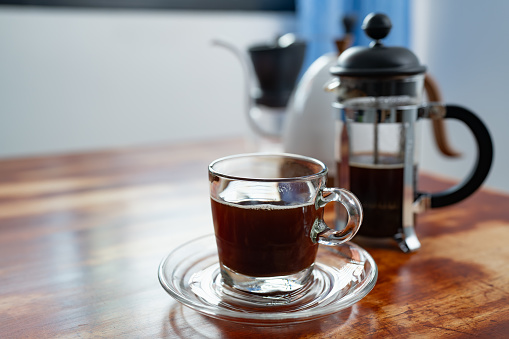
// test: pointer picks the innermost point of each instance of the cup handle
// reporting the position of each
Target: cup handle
(483, 162)
(321, 233)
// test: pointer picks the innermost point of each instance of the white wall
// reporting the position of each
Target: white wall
(464, 44)
(87, 79)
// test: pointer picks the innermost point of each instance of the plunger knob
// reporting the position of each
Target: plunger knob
(377, 26)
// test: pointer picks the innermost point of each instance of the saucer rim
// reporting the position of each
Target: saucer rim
(362, 289)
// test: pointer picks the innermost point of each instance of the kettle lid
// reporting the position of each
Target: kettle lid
(377, 59)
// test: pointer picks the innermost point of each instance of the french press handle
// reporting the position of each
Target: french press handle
(482, 164)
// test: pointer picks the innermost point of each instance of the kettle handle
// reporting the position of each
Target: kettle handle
(483, 162)
(439, 130)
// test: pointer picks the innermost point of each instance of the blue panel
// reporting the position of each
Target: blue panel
(320, 23)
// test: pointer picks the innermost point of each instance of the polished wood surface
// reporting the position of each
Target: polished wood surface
(82, 235)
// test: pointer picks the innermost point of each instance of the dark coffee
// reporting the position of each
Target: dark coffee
(263, 239)
(379, 188)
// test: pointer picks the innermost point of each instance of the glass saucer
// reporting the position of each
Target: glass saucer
(342, 276)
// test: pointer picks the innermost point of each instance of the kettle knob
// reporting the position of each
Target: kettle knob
(377, 26)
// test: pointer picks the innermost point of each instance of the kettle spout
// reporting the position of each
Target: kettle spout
(250, 82)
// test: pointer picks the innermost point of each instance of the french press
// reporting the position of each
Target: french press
(379, 101)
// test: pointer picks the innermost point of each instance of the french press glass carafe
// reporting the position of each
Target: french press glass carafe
(379, 100)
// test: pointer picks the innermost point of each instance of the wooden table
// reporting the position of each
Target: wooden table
(82, 235)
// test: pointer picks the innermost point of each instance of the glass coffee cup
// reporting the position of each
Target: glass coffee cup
(267, 211)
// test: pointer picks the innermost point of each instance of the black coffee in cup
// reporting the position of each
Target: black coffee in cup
(261, 238)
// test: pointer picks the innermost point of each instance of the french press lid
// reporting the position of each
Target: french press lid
(377, 59)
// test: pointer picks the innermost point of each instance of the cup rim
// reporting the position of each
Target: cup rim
(323, 171)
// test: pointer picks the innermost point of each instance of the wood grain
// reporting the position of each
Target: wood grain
(82, 235)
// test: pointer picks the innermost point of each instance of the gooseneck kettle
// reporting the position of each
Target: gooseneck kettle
(270, 73)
